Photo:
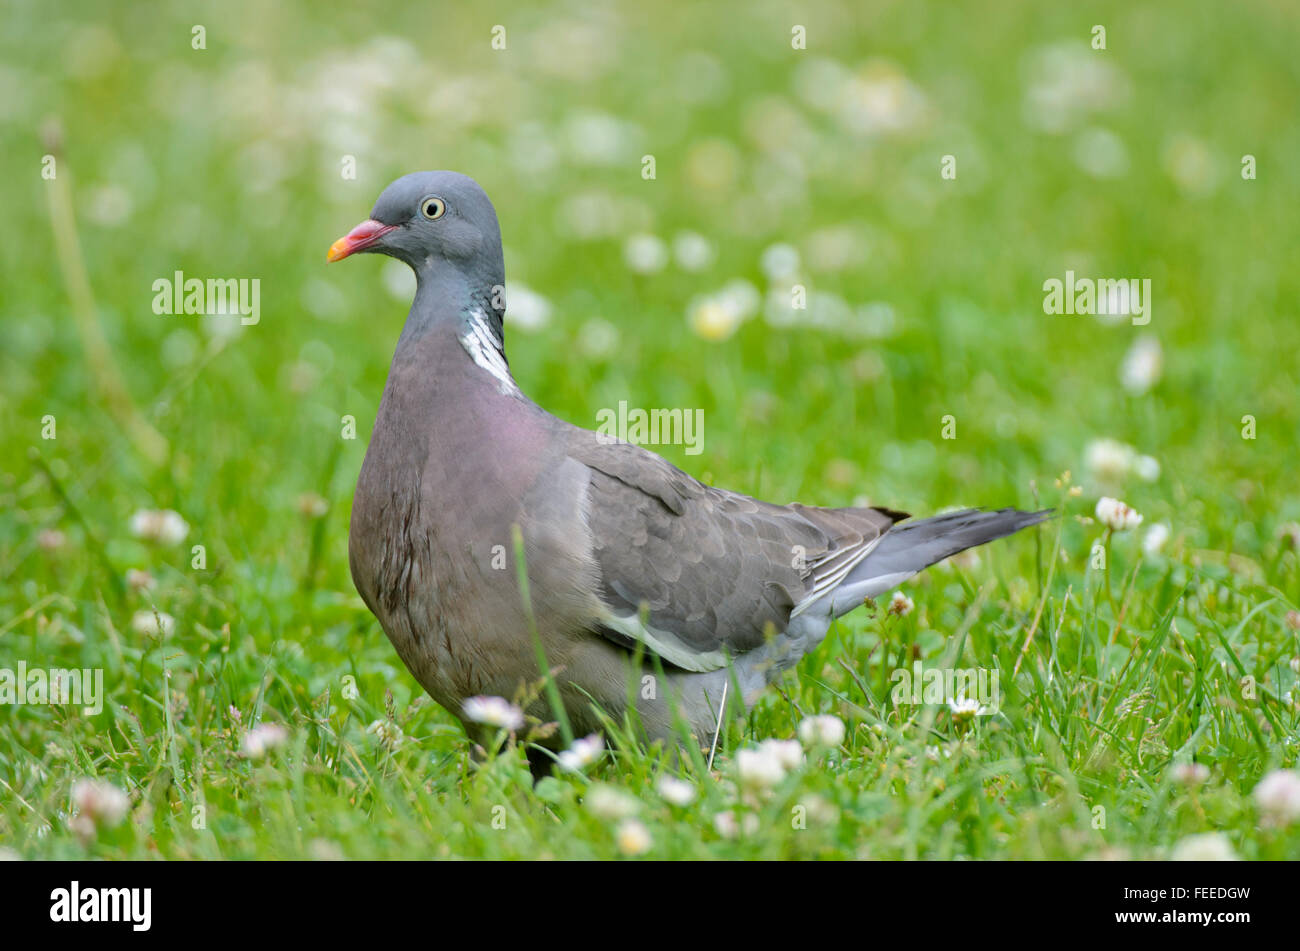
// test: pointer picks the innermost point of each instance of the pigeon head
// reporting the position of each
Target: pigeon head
(427, 218)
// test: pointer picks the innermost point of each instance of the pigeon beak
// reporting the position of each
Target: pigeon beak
(360, 238)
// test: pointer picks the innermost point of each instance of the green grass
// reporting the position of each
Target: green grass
(229, 161)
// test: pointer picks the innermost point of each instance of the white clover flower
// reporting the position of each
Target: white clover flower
(692, 251)
(387, 732)
(901, 604)
(109, 205)
(164, 527)
(1155, 538)
(1100, 153)
(1189, 774)
(1207, 847)
(779, 309)
(879, 99)
(789, 753)
(729, 827)
(151, 622)
(51, 539)
(1295, 664)
(1142, 365)
(780, 262)
(597, 338)
(526, 309)
(633, 837)
(597, 138)
(824, 730)
(99, 804)
(494, 711)
(1116, 515)
(138, 580)
(1109, 461)
(582, 753)
(645, 254)
(1278, 796)
(323, 850)
(674, 791)
(610, 803)
(263, 738)
(1146, 468)
(759, 769)
(821, 811)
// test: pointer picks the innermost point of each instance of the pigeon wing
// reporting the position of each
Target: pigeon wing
(695, 573)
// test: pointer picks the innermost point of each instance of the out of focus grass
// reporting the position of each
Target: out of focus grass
(926, 302)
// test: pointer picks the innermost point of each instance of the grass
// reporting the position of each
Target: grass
(225, 162)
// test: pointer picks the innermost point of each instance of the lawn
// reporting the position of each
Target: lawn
(667, 180)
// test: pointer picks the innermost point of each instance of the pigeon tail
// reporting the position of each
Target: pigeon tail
(908, 549)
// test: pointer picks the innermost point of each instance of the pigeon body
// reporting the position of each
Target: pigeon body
(633, 567)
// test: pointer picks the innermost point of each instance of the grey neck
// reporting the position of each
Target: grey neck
(469, 308)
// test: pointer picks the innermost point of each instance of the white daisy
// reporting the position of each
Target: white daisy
(633, 837)
(582, 753)
(494, 711)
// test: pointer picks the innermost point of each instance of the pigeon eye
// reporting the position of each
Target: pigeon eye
(433, 208)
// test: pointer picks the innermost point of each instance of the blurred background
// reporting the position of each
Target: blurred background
(773, 166)
(190, 476)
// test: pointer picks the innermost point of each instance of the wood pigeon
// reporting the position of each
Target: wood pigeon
(644, 585)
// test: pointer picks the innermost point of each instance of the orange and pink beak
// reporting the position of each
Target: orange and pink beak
(363, 236)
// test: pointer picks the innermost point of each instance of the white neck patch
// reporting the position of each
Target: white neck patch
(485, 348)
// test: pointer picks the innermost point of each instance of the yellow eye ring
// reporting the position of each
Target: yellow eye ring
(433, 208)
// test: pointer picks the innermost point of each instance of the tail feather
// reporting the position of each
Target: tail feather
(908, 549)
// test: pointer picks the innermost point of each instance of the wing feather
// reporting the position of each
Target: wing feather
(695, 573)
